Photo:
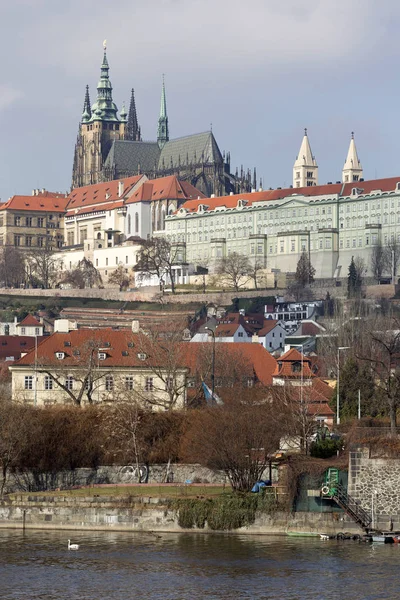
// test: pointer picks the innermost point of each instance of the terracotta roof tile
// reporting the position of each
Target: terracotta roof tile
(101, 192)
(36, 203)
(366, 187)
(254, 354)
(29, 321)
(269, 325)
(14, 345)
(165, 188)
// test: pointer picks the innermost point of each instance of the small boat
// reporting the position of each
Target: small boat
(383, 539)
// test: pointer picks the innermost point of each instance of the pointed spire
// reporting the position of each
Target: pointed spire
(255, 179)
(305, 156)
(133, 129)
(87, 111)
(305, 169)
(163, 133)
(352, 170)
(104, 108)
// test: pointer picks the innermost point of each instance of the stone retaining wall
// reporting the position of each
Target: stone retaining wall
(147, 515)
(175, 473)
(374, 482)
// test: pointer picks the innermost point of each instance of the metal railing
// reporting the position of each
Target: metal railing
(351, 507)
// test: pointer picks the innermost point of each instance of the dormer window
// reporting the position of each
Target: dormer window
(242, 203)
(60, 355)
(202, 208)
(142, 356)
(296, 367)
(102, 356)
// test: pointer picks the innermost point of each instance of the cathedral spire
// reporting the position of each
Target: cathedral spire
(352, 170)
(87, 110)
(104, 108)
(305, 169)
(133, 129)
(162, 132)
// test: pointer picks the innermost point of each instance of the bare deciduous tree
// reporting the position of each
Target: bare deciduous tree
(80, 376)
(235, 269)
(44, 265)
(378, 261)
(12, 267)
(119, 277)
(14, 426)
(158, 257)
(235, 438)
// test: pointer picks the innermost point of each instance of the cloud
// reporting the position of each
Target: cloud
(224, 35)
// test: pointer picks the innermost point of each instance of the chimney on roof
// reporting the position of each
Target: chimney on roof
(255, 339)
(231, 193)
(198, 197)
(120, 188)
(212, 196)
(43, 190)
(253, 190)
(260, 188)
(135, 326)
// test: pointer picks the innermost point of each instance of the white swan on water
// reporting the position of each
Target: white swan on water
(72, 546)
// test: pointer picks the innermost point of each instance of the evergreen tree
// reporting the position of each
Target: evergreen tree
(305, 271)
(354, 280)
(354, 377)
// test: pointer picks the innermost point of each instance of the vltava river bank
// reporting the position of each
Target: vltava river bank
(37, 565)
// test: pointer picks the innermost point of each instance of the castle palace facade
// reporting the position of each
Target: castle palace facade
(110, 146)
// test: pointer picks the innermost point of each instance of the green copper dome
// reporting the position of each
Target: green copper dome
(104, 109)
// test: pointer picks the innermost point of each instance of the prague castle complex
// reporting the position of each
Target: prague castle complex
(126, 190)
(110, 146)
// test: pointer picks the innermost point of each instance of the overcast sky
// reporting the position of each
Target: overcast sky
(258, 70)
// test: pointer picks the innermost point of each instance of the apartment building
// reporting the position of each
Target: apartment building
(33, 221)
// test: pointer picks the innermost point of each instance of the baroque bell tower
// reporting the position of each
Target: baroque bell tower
(99, 127)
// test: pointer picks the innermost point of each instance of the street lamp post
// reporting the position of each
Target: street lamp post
(213, 363)
(338, 382)
(36, 377)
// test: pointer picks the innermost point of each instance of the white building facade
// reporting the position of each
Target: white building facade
(332, 223)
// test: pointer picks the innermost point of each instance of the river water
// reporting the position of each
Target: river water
(37, 565)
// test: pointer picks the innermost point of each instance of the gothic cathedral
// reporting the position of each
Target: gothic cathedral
(109, 146)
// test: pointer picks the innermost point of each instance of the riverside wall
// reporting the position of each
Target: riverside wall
(113, 475)
(149, 515)
(223, 297)
(373, 482)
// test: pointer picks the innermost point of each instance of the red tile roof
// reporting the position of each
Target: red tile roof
(29, 321)
(269, 325)
(165, 188)
(285, 363)
(366, 187)
(101, 192)
(226, 330)
(264, 196)
(36, 203)
(119, 352)
(115, 344)
(14, 345)
(384, 185)
(245, 353)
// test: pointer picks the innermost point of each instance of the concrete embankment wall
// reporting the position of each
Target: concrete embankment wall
(146, 515)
